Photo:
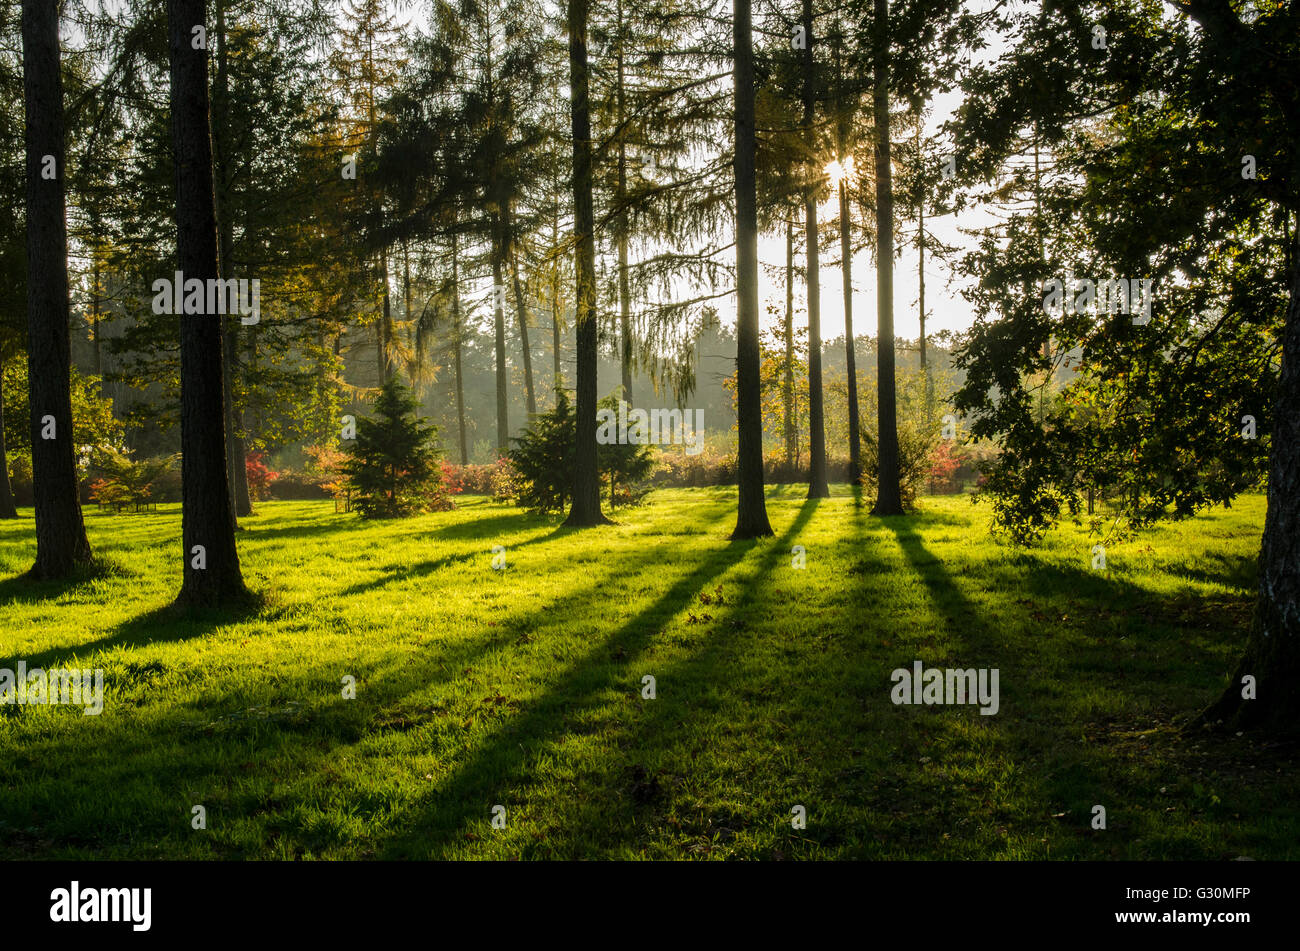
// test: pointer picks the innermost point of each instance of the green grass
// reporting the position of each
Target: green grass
(522, 687)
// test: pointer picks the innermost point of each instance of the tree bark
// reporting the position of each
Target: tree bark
(751, 510)
(234, 444)
(499, 325)
(556, 342)
(850, 345)
(7, 506)
(386, 323)
(521, 313)
(889, 499)
(620, 202)
(1272, 654)
(585, 510)
(817, 485)
(61, 545)
(230, 324)
(920, 280)
(455, 324)
(207, 525)
(455, 319)
(787, 387)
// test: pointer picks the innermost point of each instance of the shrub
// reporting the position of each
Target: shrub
(393, 466)
(472, 478)
(945, 460)
(259, 476)
(544, 458)
(503, 480)
(915, 446)
(541, 465)
(291, 484)
(126, 481)
(450, 478)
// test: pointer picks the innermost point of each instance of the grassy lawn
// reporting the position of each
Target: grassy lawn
(523, 687)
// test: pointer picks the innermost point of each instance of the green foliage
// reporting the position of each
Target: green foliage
(95, 430)
(393, 465)
(543, 458)
(126, 481)
(916, 445)
(542, 461)
(919, 426)
(532, 685)
(1129, 166)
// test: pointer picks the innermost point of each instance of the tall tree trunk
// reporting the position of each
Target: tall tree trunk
(585, 510)
(386, 323)
(243, 498)
(414, 370)
(787, 387)
(1272, 655)
(225, 254)
(620, 202)
(7, 507)
(889, 499)
(844, 128)
(751, 510)
(920, 278)
(211, 574)
(61, 544)
(455, 319)
(521, 314)
(624, 314)
(850, 345)
(234, 453)
(556, 341)
(95, 297)
(817, 485)
(499, 325)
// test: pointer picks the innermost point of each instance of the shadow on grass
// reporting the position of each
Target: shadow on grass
(504, 755)
(714, 676)
(160, 625)
(24, 589)
(424, 568)
(1235, 571)
(327, 730)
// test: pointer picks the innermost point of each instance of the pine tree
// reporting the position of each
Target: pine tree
(543, 458)
(393, 464)
(751, 509)
(585, 509)
(817, 485)
(211, 574)
(61, 544)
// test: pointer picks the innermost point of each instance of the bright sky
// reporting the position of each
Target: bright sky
(947, 309)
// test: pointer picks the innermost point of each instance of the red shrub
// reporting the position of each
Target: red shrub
(259, 476)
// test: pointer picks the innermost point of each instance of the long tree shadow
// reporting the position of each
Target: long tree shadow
(468, 790)
(421, 569)
(1055, 670)
(664, 732)
(23, 589)
(322, 732)
(157, 626)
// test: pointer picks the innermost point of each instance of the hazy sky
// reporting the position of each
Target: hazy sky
(946, 308)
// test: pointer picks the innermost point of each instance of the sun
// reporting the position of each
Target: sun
(839, 171)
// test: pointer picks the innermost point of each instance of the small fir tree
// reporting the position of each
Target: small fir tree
(393, 465)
